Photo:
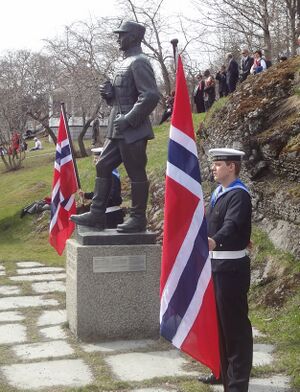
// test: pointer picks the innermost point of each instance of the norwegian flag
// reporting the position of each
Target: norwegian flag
(64, 188)
(188, 316)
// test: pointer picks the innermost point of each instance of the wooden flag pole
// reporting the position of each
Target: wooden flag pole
(70, 142)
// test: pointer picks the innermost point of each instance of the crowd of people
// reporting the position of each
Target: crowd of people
(227, 78)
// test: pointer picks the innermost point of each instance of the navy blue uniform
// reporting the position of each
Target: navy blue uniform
(229, 224)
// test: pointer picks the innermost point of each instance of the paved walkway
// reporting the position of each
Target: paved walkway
(38, 352)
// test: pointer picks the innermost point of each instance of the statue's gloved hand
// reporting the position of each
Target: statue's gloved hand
(120, 123)
(107, 90)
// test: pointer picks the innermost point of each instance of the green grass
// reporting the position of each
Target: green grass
(282, 327)
(19, 239)
(216, 107)
(27, 239)
(296, 91)
(281, 323)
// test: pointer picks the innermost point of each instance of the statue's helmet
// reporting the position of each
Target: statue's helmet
(134, 28)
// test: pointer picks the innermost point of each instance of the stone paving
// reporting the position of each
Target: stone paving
(42, 354)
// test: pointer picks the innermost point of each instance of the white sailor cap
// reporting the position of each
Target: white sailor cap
(97, 150)
(225, 154)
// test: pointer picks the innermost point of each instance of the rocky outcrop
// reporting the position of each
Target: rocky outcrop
(263, 118)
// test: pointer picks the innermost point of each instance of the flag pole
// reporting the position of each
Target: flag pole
(174, 43)
(63, 109)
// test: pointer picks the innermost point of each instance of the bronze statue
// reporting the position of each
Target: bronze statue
(133, 95)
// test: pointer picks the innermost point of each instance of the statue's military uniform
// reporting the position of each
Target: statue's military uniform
(133, 95)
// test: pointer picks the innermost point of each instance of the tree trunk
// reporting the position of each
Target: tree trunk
(51, 133)
(87, 123)
(292, 12)
(166, 77)
(293, 37)
(267, 45)
(44, 122)
(5, 163)
(82, 149)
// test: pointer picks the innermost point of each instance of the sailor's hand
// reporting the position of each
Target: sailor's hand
(250, 245)
(81, 196)
(120, 123)
(211, 244)
(80, 193)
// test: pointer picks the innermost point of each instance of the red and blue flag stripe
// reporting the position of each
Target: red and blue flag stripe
(64, 187)
(188, 316)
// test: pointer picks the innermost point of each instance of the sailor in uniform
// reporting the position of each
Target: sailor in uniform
(229, 230)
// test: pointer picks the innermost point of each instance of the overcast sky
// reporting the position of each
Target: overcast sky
(25, 23)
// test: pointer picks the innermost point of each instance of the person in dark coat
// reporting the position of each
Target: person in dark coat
(229, 231)
(209, 90)
(169, 102)
(133, 95)
(199, 94)
(246, 64)
(232, 73)
(221, 78)
(95, 132)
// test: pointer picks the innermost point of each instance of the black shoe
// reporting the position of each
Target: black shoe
(90, 220)
(133, 225)
(210, 379)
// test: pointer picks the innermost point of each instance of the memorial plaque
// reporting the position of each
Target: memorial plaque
(119, 263)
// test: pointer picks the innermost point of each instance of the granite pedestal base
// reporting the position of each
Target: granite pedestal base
(113, 290)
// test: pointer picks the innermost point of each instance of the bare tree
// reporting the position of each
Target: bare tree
(23, 88)
(267, 24)
(86, 54)
(44, 76)
(160, 29)
(250, 20)
(11, 156)
(292, 8)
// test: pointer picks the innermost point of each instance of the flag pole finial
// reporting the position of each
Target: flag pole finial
(174, 43)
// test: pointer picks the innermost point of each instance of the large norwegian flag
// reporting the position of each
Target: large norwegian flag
(64, 188)
(188, 316)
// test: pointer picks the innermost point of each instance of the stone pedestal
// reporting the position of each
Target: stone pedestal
(113, 290)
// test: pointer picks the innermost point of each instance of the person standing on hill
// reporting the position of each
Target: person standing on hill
(246, 64)
(232, 73)
(169, 102)
(199, 94)
(221, 78)
(133, 95)
(209, 90)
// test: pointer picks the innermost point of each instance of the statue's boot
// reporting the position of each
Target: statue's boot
(96, 216)
(137, 220)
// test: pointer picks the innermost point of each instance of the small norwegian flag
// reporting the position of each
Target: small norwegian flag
(64, 187)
